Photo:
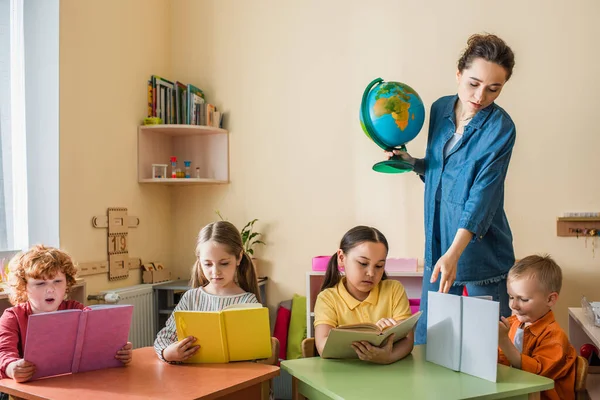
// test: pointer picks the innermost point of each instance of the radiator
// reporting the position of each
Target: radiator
(141, 297)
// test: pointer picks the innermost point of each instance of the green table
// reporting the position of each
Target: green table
(410, 378)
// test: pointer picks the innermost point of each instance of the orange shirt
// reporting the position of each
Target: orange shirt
(546, 352)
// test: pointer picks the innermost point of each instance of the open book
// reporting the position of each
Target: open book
(462, 334)
(239, 332)
(339, 341)
(66, 341)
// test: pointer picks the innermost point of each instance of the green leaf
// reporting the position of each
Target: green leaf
(253, 235)
(250, 251)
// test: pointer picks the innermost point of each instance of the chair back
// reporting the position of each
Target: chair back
(309, 348)
(581, 372)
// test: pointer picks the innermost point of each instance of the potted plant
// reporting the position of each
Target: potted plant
(250, 239)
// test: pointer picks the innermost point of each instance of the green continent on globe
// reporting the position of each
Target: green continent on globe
(396, 104)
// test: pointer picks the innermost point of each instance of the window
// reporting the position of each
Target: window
(28, 123)
(13, 193)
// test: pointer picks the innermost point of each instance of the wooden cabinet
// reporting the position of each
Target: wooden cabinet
(206, 147)
(412, 282)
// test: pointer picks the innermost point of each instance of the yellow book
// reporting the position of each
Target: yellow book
(239, 332)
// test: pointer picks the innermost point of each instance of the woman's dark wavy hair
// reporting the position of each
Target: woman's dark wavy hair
(489, 47)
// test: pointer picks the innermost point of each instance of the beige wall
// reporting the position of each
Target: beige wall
(290, 76)
(108, 49)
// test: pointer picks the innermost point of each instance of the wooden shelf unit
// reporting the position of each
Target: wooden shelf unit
(205, 146)
(411, 280)
(573, 226)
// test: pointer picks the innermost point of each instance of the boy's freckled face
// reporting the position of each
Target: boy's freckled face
(528, 300)
(45, 295)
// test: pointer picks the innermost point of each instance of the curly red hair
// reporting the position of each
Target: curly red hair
(39, 262)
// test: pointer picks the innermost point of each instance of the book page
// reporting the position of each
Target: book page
(402, 328)
(365, 327)
(479, 351)
(444, 329)
(242, 305)
(339, 341)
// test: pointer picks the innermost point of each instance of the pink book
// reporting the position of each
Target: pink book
(71, 341)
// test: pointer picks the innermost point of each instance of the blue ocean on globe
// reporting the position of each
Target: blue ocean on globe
(392, 113)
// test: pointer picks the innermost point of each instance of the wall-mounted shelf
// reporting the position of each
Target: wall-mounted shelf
(576, 226)
(205, 146)
(183, 181)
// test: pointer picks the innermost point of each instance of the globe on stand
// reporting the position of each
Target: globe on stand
(391, 115)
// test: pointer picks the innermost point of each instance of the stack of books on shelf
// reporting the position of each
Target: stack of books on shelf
(177, 103)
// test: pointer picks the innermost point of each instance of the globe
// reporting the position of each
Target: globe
(391, 115)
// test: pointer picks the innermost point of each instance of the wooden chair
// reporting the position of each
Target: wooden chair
(309, 349)
(581, 372)
(274, 359)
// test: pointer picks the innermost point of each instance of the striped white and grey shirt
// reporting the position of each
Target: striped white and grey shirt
(196, 300)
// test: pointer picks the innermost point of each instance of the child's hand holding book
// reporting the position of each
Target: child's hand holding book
(125, 354)
(20, 370)
(378, 355)
(181, 351)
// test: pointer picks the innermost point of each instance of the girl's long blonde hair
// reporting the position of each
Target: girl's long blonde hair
(225, 233)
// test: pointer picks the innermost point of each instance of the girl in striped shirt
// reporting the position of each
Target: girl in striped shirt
(222, 275)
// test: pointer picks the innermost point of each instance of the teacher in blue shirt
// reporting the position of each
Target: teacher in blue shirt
(468, 241)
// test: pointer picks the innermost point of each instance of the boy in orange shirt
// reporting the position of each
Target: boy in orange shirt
(531, 339)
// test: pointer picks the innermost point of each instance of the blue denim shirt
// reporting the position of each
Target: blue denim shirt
(470, 181)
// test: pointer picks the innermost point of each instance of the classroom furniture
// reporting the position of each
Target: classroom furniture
(581, 372)
(148, 377)
(77, 293)
(412, 282)
(581, 331)
(206, 147)
(309, 348)
(167, 295)
(410, 378)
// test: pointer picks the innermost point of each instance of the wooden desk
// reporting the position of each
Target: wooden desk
(148, 377)
(410, 378)
(581, 331)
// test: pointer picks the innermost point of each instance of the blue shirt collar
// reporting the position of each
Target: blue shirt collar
(480, 117)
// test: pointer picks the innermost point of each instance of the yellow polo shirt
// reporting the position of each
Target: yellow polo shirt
(335, 306)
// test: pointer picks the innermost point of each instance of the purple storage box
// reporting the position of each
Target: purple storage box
(401, 265)
(319, 263)
(414, 304)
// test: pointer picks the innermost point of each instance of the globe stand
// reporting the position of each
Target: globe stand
(395, 165)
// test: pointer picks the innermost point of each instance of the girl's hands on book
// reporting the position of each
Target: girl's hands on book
(378, 355)
(386, 323)
(125, 354)
(20, 370)
(181, 351)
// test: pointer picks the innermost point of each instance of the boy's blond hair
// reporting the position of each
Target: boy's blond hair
(39, 262)
(541, 268)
